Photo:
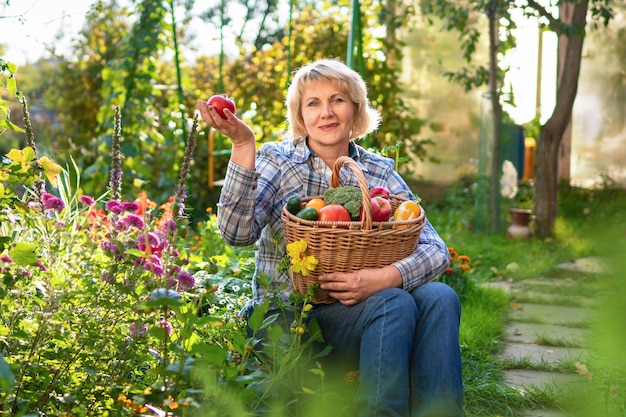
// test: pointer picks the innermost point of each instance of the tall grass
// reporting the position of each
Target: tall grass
(589, 223)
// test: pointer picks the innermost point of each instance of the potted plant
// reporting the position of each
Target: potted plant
(521, 195)
(521, 211)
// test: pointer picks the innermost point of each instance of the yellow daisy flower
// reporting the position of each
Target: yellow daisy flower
(300, 262)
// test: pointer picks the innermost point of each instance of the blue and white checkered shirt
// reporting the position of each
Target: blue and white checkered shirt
(250, 204)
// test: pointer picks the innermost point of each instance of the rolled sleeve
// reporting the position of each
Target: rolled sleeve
(236, 206)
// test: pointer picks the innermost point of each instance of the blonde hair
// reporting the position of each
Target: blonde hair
(350, 82)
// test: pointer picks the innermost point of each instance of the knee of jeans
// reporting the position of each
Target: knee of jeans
(396, 302)
(440, 295)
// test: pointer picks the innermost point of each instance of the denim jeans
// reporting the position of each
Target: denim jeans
(407, 347)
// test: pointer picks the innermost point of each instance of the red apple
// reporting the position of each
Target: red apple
(221, 102)
(381, 209)
(379, 192)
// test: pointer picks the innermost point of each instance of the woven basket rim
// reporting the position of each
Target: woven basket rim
(356, 224)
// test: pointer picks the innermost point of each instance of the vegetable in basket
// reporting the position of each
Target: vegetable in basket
(348, 196)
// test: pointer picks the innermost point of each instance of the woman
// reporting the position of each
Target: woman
(402, 326)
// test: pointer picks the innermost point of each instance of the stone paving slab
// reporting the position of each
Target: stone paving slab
(549, 283)
(539, 353)
(531, 333)
(545, 413)
(591, 265)
(551, 314)
(522, 379)
(536, 296)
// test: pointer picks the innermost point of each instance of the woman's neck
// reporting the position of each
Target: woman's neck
(329, 154)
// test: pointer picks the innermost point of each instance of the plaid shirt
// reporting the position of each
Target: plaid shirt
(250, 204)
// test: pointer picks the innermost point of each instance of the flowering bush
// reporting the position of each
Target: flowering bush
(457, 275)
(109, 309)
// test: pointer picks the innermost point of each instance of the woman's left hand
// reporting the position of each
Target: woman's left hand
(350, 288)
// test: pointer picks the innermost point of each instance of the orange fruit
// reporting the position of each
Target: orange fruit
(317, 203)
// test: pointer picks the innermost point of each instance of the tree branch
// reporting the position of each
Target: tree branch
(544, 13)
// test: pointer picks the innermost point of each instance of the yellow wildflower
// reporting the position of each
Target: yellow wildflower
(300, 262)
(50, 169)
(24, 157)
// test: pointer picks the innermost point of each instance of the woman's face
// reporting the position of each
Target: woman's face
(328, 115)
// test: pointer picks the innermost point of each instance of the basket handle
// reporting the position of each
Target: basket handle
(366, 223)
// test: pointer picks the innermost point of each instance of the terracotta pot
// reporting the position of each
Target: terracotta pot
(520, 226)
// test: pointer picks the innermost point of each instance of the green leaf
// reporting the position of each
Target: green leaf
(214, 354)
(12, 85)
(256, 318)
(274, 333)
(7, 379)
(24, 253)
(307, 390)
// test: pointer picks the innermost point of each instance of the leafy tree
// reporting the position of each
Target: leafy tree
(456, 17)
(125, 63)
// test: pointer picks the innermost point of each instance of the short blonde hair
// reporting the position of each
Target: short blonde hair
(350, 82)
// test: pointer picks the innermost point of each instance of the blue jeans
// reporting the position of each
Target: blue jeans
(407, 345)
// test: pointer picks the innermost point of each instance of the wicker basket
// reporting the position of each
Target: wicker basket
(350, 246)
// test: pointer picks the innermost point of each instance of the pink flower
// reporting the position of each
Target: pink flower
(167, 325)
(114, 206)
(52, 202)
(186, 281)
(132, 220)
(86, 200)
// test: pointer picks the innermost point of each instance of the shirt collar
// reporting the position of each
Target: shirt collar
(302, 151)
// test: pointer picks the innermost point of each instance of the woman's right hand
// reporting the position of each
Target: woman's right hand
(239, 133)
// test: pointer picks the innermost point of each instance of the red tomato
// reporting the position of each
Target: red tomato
(221, 102)
(333, 213)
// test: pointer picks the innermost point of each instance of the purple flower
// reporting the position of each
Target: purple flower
(42, 266)
(132, 220)
(169, 226)
(52, 202)
(130, 207)
(7, 259)
(114, 206)
(154, 242)
(149, 241)
(137, 330)
(152, 264)
(109, 247)
(121, 226)
(86, 200)
(186, 281)
(167, 325)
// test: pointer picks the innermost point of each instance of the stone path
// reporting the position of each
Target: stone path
(546, 337)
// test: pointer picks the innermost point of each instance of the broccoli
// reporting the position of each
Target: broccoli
(348, 196)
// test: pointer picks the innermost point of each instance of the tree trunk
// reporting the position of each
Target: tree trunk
(552, 132)
(494, 195)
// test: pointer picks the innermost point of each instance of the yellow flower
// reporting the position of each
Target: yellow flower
(51, 169)
(24, 157)
(300, 262)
